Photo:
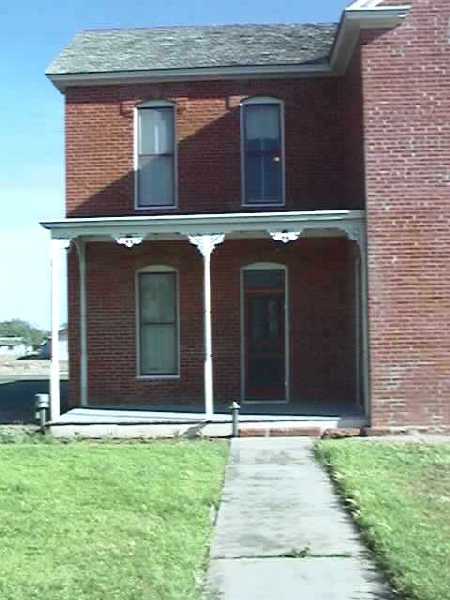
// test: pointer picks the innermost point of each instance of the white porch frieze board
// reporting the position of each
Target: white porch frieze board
(206, 243)
(171, 226)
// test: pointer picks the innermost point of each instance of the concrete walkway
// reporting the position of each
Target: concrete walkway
(281, 533)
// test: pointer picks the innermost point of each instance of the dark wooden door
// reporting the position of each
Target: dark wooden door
(265, 358)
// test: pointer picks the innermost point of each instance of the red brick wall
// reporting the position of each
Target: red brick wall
(406, 87)
(323, 144)
(321, 297)
(321, 303)
(353, 142)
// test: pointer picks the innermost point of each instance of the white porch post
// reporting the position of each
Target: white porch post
(81, 250)
(206, 245)
(57, 251)
(358, 329)
(357, 233)
(364, 291)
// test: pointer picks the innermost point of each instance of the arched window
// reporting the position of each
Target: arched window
(155, 155)
(158, 322)
(262, 144)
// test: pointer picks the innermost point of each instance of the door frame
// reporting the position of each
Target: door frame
(266, 266)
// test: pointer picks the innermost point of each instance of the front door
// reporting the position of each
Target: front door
(264, 335)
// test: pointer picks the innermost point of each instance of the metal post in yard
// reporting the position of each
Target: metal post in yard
(235, 419)
(42, 405)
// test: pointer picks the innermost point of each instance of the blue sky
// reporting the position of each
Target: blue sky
(32, 130)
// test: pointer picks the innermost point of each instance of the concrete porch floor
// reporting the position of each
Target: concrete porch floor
(129, 423)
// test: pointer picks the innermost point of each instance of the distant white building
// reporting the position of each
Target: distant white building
(14, 347)
(45, 350)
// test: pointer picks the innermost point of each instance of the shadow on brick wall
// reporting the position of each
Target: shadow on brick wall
(322, 140)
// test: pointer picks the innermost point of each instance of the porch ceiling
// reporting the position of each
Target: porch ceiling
(233, 225)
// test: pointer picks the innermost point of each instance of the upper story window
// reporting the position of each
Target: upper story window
(156, 161)
(262, 151)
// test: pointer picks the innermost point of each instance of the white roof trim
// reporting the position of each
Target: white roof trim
(364, 4)
(195, 74)
(166, 226)
(356, 18)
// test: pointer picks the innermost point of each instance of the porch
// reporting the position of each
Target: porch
(123, 423)
(248, 326)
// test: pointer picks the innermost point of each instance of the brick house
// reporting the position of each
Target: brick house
(261, 214)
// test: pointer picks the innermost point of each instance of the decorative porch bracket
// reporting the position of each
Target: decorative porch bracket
(58, 250)
(355, 232)
(285, 236)
(129, 240)
(206, 245)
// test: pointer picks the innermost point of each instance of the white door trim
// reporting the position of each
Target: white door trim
(266, 266)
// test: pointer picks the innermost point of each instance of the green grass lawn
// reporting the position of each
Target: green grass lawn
(400, 497)
(107, 521)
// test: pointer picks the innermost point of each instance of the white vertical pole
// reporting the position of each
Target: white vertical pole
(208, 374)
(81, 248)
(357, 232)
(206, 245)
(358, 301)
(364, 290)
(56, 254)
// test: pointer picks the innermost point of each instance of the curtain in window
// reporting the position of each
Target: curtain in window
(158, 324)
(156, 143)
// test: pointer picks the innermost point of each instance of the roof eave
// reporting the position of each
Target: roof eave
(62, 81)
(353, 21)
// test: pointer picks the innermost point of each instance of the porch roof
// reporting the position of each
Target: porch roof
(233, 225)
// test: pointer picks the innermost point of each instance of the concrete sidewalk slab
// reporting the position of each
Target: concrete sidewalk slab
(302, 579)
(277, 506)
(274, 501)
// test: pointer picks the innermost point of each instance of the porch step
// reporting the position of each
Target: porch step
(268, 431)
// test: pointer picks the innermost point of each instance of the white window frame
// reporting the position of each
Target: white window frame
(157, 269)
(267, 266)
(263, 100)
(154, 104)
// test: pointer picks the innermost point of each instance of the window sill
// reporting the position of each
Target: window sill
(158, 208)
(156, 377)
(263, 204)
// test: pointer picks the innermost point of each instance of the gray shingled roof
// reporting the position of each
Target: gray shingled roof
(109, 51)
